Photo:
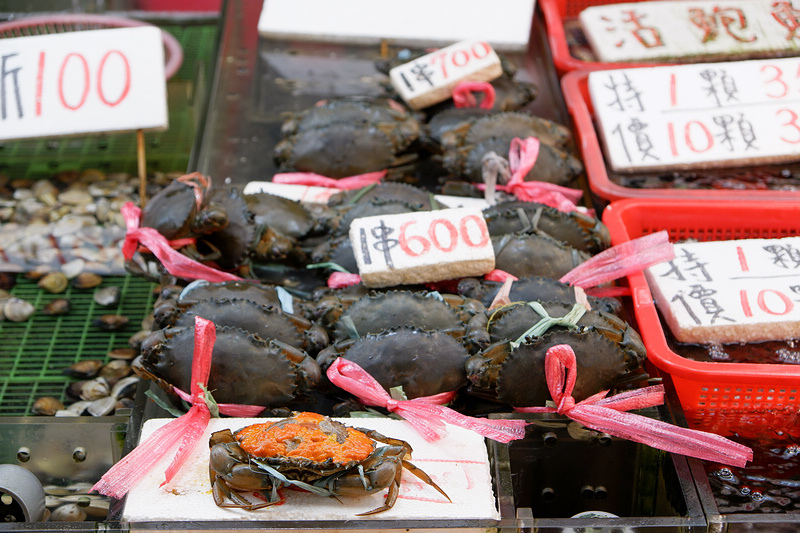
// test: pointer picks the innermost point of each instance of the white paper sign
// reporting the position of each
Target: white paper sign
(700, 115)
(82, 82)
(703, 30)
(421, 246)
(730, 291)
(431, 78)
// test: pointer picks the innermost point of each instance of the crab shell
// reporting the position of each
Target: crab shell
(244, 368)
(525, 255)
(578, 230)
(423, 362)
(237, 239)
(515, 376)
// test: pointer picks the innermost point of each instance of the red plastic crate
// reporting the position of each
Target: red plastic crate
(579, 104)
(721, 397)
(556, 12)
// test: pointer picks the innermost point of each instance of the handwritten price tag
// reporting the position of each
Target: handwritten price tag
(730, 291)
(431, 78)
(421, 247)
(702, 115)
(82, 82)
(703, 30)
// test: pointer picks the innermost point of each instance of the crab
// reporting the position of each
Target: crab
(347, 136)
(532, 288)
(527, 254)
(422, 362)
(579, 230)
(245, 369)
(309, 451)
(464, 146)
(514, 374)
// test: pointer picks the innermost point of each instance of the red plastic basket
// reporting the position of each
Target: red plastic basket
(556, 12)
(715, 396)
(579, 104)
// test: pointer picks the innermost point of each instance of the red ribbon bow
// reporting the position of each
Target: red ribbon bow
(318, 180)
(608, 415)
(186, 429)
(425, 414)
(175, 262)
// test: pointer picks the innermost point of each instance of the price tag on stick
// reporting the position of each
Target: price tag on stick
(430, 79)
(421, 247)
(82, 82)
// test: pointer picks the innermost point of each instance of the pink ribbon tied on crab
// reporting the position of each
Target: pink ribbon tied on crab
(317, 180)
(426, 414)
(608, 415)
(463, 97)
(175, 262)
(186, 429)
(522, 155)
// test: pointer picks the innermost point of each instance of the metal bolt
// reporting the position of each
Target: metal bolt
(600, 492)
(24, 455)
(550, 439)
(548, 494)
(79, 454)
(604, 439)
(587, 491)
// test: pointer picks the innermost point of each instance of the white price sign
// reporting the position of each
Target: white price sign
(82, 82)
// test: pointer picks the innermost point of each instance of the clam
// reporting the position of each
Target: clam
(75, 409)
(115, 370)
(54, 282)
(69, 512)
(46, 405)
(95, 389)
(87, 280)
(59, 306)
(102, 406)
(72, 268)
(107, 296)
(111, 322)
(85, 369)
(126, 354)
(125, 387)
(17, 309)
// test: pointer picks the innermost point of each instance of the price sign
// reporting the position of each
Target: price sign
(431, 78)
(703, 30)
(421, 247)
(82, 82)
(730, 291)
(701, 115)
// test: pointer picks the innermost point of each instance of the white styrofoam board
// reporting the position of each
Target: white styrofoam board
(652, 31)
(458, 463)
(729, 291)
(505, 24)
(698, 115)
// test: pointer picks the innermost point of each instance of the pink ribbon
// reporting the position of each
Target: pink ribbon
(463, 97)
(522, 155)
(339, 280)
(621, 260)
(425, 414)
(229, 409)
(499, 275)
(187, 429)
(175, 262)
(607, 415)
(317, 180)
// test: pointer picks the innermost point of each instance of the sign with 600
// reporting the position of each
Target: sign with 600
(421, 247)
(82, 82)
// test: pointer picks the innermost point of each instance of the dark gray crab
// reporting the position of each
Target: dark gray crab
(465, 145)
(423, 363)
(347, 136)
(525, 255)
(244, 368)
(514, 374)
(579, 230)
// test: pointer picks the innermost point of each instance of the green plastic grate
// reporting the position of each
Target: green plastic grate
(34, 353)
(165, 151)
